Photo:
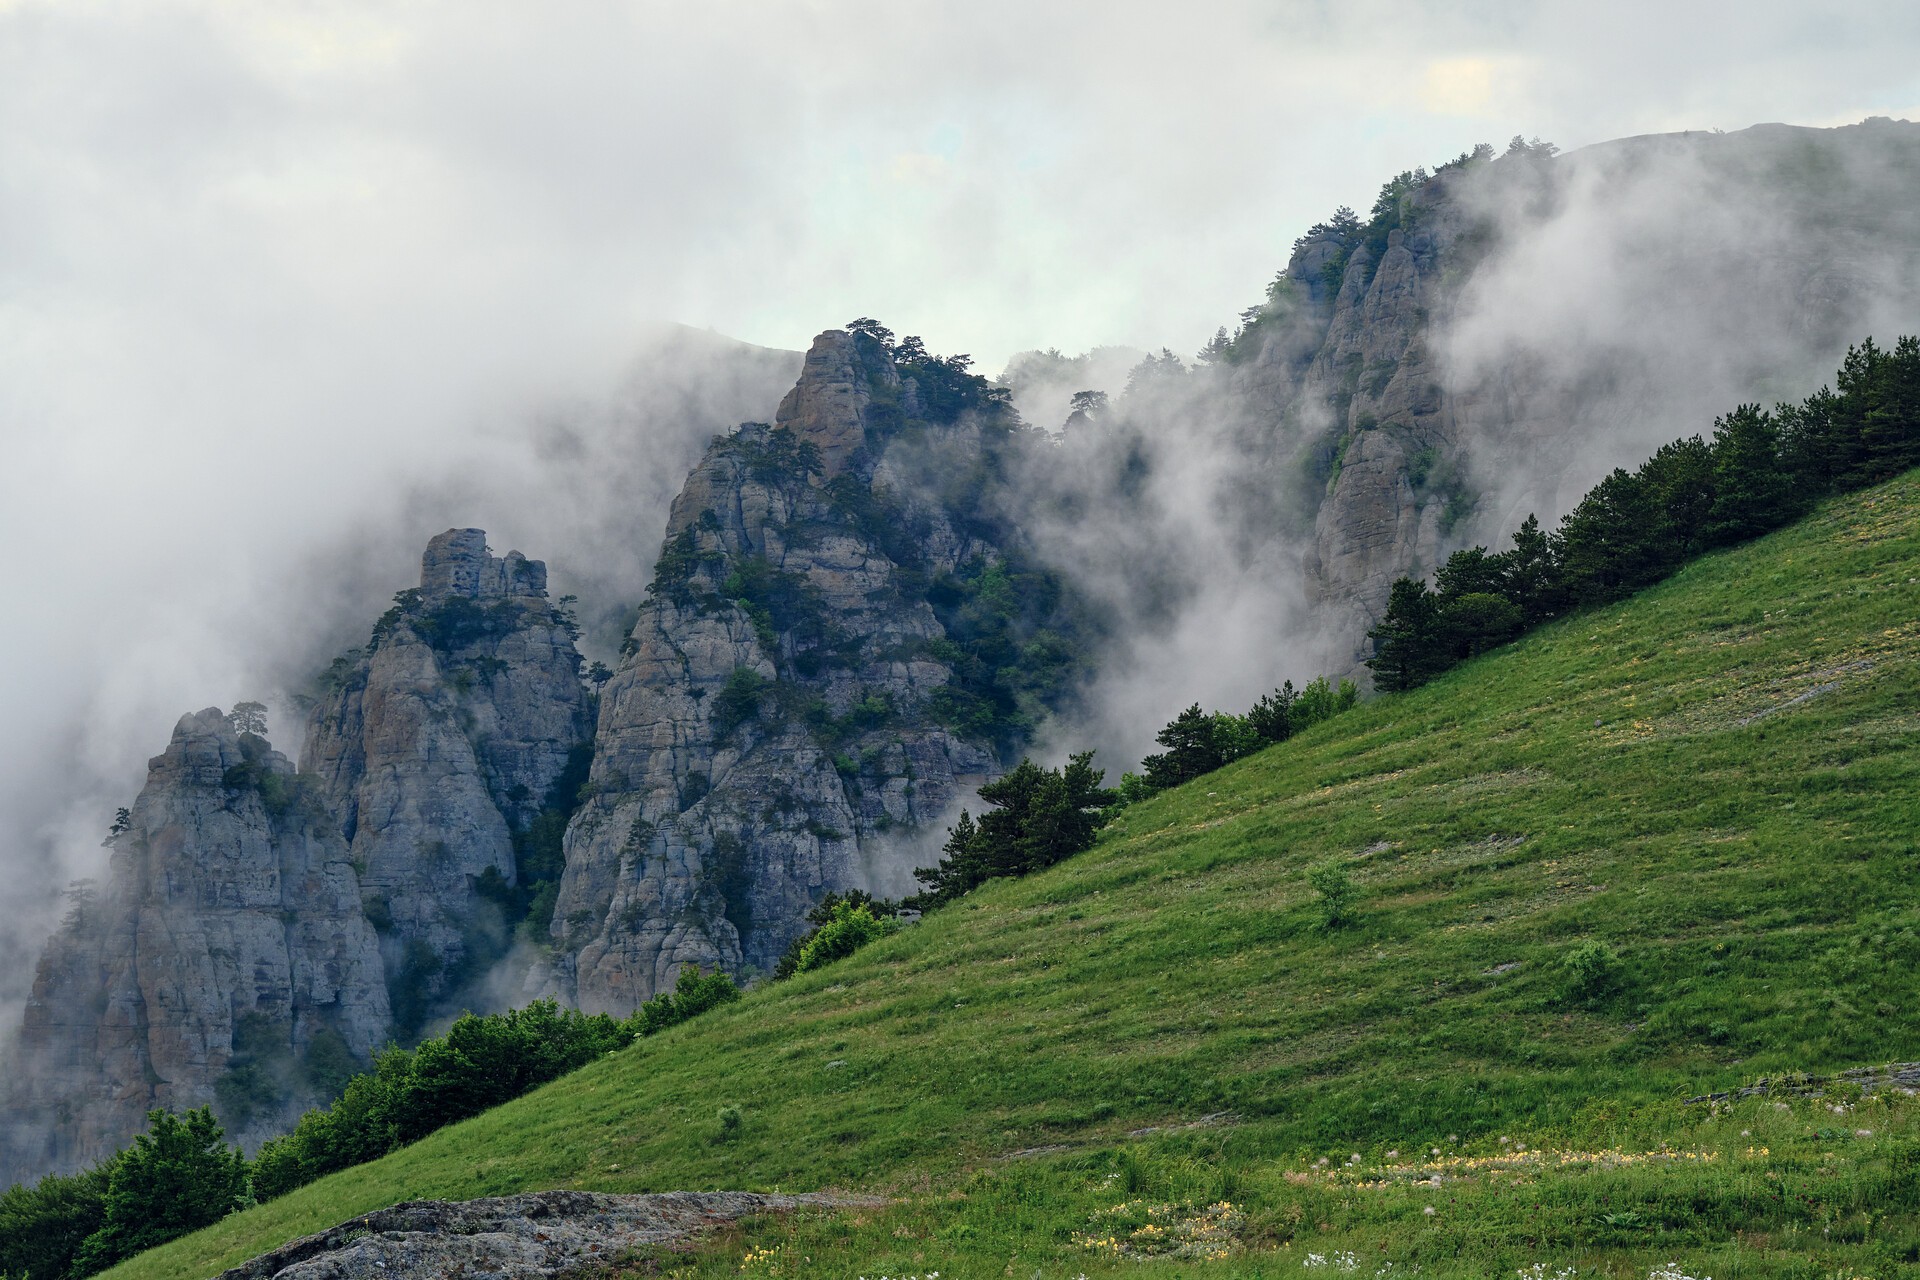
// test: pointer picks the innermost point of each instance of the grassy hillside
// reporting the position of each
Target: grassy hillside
(1718, 780)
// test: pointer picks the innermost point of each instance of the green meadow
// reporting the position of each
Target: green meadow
(1655, 850)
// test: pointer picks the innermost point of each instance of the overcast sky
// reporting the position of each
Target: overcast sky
(266, 268)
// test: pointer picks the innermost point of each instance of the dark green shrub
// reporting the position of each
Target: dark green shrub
(693, 994)
(1338, 894)
(1591, 973)
(850, 928)
(738, 700)
(43, 1226)
(258, 1072)
(830, 908)
(175, 1178)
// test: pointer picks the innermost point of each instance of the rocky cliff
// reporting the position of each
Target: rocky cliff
(225, 961)
(1501, 332)
(262, 931)
(440, 748)
(842, 639)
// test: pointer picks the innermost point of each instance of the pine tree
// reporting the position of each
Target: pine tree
(1406, 648)
(1531, 576)
(1039, 817)
(1609, 543)
(1272, 716)
(1469, 625)
(1806, 432)
(1680, 487)
(1860, 384)
(1192, 749)
(1891, 431)
(1003, 827)
(962, 867)
(1752, 489)
(1469, 570)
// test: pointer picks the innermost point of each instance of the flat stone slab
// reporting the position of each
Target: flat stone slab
(1899, 1077)
(539, 1234)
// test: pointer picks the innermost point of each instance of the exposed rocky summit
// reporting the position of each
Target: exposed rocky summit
(525, 1237)
(820, 672)
(828, 405)
(226, 961)
(438, 747)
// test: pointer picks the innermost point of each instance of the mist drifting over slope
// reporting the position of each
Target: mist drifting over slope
(284, 292)
(262, 603)
(1669, 279)
(1590, 308)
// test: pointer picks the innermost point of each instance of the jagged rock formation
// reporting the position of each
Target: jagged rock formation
(263, 931)
(1456, 361)
(438, 746)
(226, 961)
(810, 677)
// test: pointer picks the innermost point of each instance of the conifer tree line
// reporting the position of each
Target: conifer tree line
(1761, 470)
(181, 1175)
(1039, 817)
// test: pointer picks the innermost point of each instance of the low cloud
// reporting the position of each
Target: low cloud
(285, 291)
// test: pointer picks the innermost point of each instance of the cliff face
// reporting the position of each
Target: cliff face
(1503, 332)
(226, 961)
(262, 931)
(809, 681)
(438, 745)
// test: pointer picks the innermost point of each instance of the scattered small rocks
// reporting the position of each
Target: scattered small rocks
(1207, 1121)
(1826, 686)
(1901, 1077)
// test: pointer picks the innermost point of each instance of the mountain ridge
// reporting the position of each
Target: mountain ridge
(1707, 779)
(865, 608)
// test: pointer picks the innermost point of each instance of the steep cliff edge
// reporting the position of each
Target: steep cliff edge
(440, 748)
(1498, 334)
(844, 636)
(226, 961)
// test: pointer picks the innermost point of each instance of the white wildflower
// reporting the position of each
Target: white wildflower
(1672, 1271)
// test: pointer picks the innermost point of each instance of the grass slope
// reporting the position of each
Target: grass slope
(1718, 778)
